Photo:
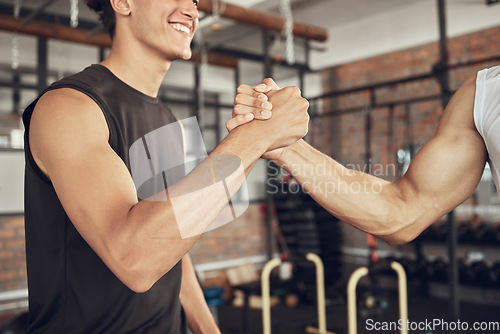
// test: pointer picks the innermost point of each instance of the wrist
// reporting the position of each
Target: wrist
(287, 156)
(247, 138)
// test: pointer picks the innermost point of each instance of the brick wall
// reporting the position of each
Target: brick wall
(343, 136)
(246, 236)
(12, 254)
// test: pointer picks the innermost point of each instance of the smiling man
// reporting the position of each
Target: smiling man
(99, 259)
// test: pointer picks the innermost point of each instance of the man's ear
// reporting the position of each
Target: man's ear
(121, 7)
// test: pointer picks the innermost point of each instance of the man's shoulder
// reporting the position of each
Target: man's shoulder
(60, 98)
(458, 115)
(86, 80)
(73, 92)
(69, 109)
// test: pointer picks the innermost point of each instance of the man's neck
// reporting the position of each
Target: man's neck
(139, 70)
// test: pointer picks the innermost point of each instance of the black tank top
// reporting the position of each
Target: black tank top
(70, 289)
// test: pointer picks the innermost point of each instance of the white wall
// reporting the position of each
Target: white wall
(402, 28)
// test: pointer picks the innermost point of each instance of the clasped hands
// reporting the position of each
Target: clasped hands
(277, 117)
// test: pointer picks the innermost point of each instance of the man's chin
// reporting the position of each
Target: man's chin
(180, 56)
(187, 55)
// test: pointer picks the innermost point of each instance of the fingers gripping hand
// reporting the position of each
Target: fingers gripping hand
(252, 103)
(267, 85)
(290, 119)
(249, 105)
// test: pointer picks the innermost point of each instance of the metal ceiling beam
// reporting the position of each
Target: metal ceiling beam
(265, 20)
(256, 57)
(37, 11)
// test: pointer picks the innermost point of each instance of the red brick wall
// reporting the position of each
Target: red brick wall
(346, 139)
(246, 236)
(12, 254)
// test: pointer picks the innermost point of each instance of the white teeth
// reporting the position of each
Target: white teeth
(182, 28)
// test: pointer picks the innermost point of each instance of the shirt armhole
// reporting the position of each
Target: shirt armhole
(479, 102)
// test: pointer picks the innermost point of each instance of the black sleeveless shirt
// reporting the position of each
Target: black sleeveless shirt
(70, 289)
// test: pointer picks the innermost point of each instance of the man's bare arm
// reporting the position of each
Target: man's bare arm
(199, 317)
(138, 241)
(444, 173)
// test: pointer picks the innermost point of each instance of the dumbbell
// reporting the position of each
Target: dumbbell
(483, 233)
(466, 275)
(437, 270)
(440, 231)
(481, 272)
(474, 273)
(465, 232)
(496, 234)
(495, 275)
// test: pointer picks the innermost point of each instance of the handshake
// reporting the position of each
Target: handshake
(275, 117)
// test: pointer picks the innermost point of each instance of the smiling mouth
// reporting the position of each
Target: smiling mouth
(181, 28)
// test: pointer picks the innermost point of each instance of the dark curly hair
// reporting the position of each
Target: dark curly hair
(105, 12)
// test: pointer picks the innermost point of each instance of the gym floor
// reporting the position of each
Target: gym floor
(287, 320)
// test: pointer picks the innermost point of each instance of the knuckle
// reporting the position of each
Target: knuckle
(305, 130)
(306, 103)
(295, 90)
(260, 96)
(236, 110)
(238, 99)
(242, 89)
(303, 103)
(306, 118)
(292, 91)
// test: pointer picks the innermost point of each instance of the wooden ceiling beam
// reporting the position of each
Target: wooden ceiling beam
(78, 35)
(54, 31)
(265, 20)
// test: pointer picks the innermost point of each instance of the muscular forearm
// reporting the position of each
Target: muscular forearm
(157, 232)
(199, 318)
(366, 202)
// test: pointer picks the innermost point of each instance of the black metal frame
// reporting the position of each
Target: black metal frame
(452, 239)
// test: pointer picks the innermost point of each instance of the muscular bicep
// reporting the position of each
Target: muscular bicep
(69, 140)
(447, 170)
